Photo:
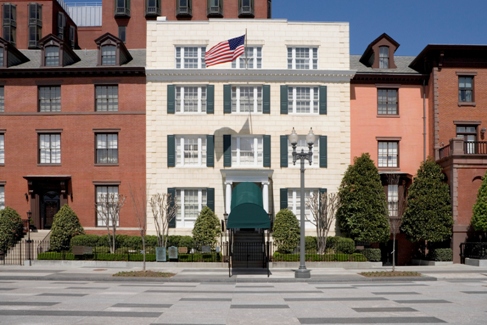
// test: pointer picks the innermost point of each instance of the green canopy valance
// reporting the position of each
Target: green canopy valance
(247, 209)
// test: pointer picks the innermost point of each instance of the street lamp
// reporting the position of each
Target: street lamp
(29, 219)
(302, 272)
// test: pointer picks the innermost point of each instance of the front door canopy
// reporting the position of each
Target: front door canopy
(247, 209)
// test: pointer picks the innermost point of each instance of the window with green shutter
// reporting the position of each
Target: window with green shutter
(227, 99)
(210, 151)
(267, 151)
(323, 100)
(284, 99)
(266, 99)
(171, 99)
(283, 198)
(323, 151)
(210, 99)
(227, 150)
(284, 149)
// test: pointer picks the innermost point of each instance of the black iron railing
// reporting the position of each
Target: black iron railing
(473, 250)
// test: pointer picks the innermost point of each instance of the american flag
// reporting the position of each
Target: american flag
(225, 51)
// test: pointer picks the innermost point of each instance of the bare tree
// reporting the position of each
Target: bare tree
(396, 207)
(139, 203)
(323, 209)
(164, 210)
(108, 208)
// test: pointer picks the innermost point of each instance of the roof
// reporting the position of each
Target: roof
(402, 63)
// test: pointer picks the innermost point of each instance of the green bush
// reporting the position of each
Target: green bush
(101, 249)
(55, 256)
(355, 257)
(65, 226)
(11, 228)
(151, 241)
(372, 254)
(180, 241)
(286, 232)
(206, 228)
(340, 245)
(89, 240)
(442, 254)
(310, 243)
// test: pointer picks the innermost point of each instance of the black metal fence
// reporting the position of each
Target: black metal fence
(473, 250)
(25, 251)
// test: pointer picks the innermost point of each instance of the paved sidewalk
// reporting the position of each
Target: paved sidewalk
(186, 273)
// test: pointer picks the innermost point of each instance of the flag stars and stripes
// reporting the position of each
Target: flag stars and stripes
(226, 51)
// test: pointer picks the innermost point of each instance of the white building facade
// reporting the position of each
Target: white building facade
(209, 129)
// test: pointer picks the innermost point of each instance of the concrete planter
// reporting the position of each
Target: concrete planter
(475, 262)
(431, 263)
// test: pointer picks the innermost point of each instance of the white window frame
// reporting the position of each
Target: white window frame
(107, 143)
(393, 200)
(302, 145)
(182, 93)
(388, 157)
(2, 148)
(182, 59)
(311, 103)
(2, 196)
(183, 220)
(184, 144)
(49, 148)
(253, 55)
(101, 190)
(296, 62)
(294, 202)
(257, 152)
(257, 94)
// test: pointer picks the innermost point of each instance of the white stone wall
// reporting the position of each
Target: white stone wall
(332, 40)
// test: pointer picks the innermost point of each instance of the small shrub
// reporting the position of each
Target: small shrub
(286, 231)
(101, 250)
(11, 228)
(65, 226)
(372, 254)
(206, 227)
(151, 241)
(442, 254)
(310, 243)
(344, 245)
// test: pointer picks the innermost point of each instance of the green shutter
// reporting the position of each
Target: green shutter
(227, 99)
(227, 150)
(284, 100)
(267, 151)
(283, 198)
(172, 192)
(323, 151)
(210, 198)
(171, 99)
(210, 99)
(323, 100)
(284, 151)
(210, 151)
(266, 99)
(171, 151)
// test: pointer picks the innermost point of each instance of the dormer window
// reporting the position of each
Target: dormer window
(152, 8)
(108, 55)
(183, 8)
(246, 8)
(215, 8)
(56, 53)
(51, 56)
(122, 8)
(2, 56)
(112, 51)
(383, 57)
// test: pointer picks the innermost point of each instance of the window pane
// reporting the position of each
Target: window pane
(50, 148)
(2, 149)
(388, 154)
(191, 99)
(50, 99)
(107, 148)
(106, 197)
(393, 200)
(2, 98)
(387, 101)
(108, 55)
(106, 98)
(190, 202)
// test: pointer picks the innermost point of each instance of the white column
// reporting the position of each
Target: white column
(265, 196)
(228, 196)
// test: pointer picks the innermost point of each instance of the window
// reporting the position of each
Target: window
(465, 89)
(247, 151)
(183, 7)
(191, 150)
(246, 99)
(302, 145)
(2, 56)
(383, 57)
(215, 8)
(49, 98)
(51, 54)
(2, 99)
(387, 101)
(253, 58)
(294, 204)
(388, 154)
(72, 36)
(2, 148)
(10, 22)
(469, 135)
(106, 199)
(107, 148)
(302, 58)
(108, 55)
(190, 203)
(393, 200)
(190, 57)
(106, 98)
(35, 24)
(50, 148)
(122, 8)
(61, 24)
(302, 100)
(191, 99)
(246, 8)
(152, 7)
(122, 33)
(2, 197)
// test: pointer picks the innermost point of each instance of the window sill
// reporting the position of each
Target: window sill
(106, 165)
(472, 104)
(388, 116)
(190, 113)
(191, 166)
(391, 169)
(48, 165)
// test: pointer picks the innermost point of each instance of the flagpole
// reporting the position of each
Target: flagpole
(245, 50)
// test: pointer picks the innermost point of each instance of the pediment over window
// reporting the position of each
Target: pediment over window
(380, 53)
(56, 53)
(112, 51)
(10, 55)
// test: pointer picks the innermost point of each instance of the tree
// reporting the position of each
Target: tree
(164, 210)
(11, 228)
(139, 204)
(479, 217)
(65, 226)
(428, 215)
(396, 208)
(108, 209)
(206, 228)
(363, 206)
(286, 232)
(323, 209)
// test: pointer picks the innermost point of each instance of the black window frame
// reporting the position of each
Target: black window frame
(50, 104)
(106, 153)
(122, 8)
(99, 106)
(388, 150)
(384, 59)
(35, 25)
(390, 107)
(464, 91)
(9, 22)
(184, 9)
(152, 8)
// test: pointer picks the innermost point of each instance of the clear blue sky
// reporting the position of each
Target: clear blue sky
(412, 23)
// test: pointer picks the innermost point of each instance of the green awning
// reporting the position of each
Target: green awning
(247, 209)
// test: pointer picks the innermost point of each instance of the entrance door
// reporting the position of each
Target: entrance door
(49, 207)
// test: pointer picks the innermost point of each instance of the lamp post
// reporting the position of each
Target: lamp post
(302, 272)
(29, 242)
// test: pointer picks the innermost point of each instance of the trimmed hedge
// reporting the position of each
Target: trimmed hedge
(341, 245)
(55, 256)
(132, 242)
(372, 254)
(442, 254)
(355, 257)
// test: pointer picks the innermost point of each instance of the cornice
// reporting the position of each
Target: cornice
(253, 75)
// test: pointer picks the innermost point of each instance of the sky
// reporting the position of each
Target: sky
(412, 23)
